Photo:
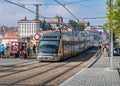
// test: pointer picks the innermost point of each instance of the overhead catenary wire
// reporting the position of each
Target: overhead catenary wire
(67, 3)
(22, 7)
(30, 10)
(27, 9)
(48, 18)
(94, 18)
(76, 2)
(63, 5)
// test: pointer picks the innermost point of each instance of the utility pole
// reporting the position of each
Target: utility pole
(37, 14)
(111, 38)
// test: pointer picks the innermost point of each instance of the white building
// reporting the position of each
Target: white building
(27, 27)
(100, 34)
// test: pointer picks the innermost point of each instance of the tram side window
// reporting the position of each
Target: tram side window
(82, 44)
(67, 46)
(76, 45)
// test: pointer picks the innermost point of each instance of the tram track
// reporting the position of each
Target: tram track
(45, 74)
(58, 80)
(49, 74)
(61, 74)
(70, 67)
(18, 71)
(28, 74)
(16, 66)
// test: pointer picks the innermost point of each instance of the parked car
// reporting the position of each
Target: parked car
(116, 51)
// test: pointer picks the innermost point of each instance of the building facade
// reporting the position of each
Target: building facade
(58, 19)
(57, 22)
(9, 37)
(28, 27)
(99, 33)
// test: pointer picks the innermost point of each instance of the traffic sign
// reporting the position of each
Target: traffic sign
(37, 36)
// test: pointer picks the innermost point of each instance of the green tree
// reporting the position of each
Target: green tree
(113, 17)
(116, 18)
(48, 27)
(78, 25)
(72, 23)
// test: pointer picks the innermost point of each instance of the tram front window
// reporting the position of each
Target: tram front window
(48, 47)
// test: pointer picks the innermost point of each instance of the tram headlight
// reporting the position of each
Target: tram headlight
(55, 56)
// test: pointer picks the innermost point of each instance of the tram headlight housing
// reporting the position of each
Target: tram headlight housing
(55, 56)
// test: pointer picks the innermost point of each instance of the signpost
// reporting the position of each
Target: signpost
(37, 36)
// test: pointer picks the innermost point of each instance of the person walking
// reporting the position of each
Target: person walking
(25, 55)
(34, 49)
(105, 51)
(1, 51)
(28, 49)
(7, 51)
(108, 50)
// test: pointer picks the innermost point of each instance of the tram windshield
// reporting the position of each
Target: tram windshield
(48, 46)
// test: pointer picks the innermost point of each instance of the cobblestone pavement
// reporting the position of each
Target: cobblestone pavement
(98, 74)
(12, 62)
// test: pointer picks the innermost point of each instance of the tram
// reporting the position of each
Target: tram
(56, 47)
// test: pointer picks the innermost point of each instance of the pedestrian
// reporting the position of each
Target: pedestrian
(7, 51)
(34, 49)
(28, 49)
(18, 51)
(107, 48)
(24, 52)
(100, 46)
(105, 51)
(14, 50)
(1, 51)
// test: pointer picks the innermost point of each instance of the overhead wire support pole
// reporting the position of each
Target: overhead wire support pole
(37, 15)
(23, 6)
(77, 20)
(111, 38)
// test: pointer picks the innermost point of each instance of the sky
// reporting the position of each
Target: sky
(84, 10)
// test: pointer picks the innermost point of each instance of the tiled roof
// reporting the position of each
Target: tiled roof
(55, 23)
(23, 20)
(45, 31)
(11, 35)
(51, 22)
(26, 20)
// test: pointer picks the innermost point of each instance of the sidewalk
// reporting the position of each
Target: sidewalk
(98, 74)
